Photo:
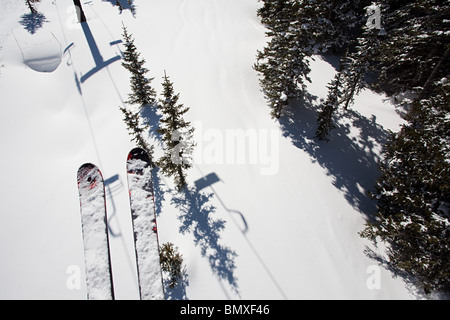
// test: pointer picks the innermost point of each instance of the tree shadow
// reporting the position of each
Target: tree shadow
(412, 284)
(195, 217)
(32, 21)
(352, 162)
(150, 115)
(179, 291)
(124, 5)
(158, 192)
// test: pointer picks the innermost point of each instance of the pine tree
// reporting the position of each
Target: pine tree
(171, 262)
(330, 25)
(176, 135)
(283, 69)
(142, 95)
(298, 30)
(329, 107)
(136, 129)
(31, 7)
(357, 64)
(413, 194)
(142, 92)
(282, 64)
(415, 51)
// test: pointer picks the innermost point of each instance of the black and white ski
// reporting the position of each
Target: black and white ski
(97, 258)
(144, 225)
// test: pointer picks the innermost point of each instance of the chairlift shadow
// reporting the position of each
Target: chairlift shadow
(208, 181)
(113, 185)
(95, 52)
(197, 218)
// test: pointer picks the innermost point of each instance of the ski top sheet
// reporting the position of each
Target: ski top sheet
(144, 225)
(95, 233)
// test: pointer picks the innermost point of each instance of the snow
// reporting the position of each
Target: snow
(41, 51)
(279, 223)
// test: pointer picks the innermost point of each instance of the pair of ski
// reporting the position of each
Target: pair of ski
(99, 280)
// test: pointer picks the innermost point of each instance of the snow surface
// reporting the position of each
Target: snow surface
(288, 234)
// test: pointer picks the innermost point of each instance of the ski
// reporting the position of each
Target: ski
(97, 257)
(144, 225)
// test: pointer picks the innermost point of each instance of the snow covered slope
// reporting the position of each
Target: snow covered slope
(269, 213)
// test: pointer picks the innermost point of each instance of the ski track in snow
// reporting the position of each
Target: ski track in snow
(290, 235)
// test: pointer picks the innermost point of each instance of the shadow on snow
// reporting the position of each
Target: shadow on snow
(196, 218)
(32, 21)
(98, 59)
(352, 162)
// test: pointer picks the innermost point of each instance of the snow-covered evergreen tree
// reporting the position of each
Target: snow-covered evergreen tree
(282, 63)
(171, 263)
(357, 64)
(283, 68)
(413, 194)
(415, 51)
(297, 30)
(330, 25)
(350, 78)
(137, 129)
(142, 93)
(329, 107)
(176, 135)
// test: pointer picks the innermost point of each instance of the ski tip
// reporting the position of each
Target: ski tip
(87, 169)
(138, 153)
(86, 166)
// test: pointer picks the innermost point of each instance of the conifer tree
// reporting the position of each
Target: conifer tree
(325, 116)
(283, 68)
(330, 24)
(30, 6)
(413, 194)
(357, 64)
(282, 64)
(298, 30)
(176, 135)
(415, 51)
(171, 263)
(136, 129)
(142, 93)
